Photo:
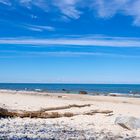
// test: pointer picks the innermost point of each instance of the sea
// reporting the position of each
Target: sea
(92, 89)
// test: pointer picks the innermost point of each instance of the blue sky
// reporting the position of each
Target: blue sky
(70, 41)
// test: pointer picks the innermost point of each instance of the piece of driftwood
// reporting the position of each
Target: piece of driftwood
(98, 111)
(46, 113)
(64, 107)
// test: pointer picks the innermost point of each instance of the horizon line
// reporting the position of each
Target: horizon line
(68, 83)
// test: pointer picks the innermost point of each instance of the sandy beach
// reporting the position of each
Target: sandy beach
(67, 116)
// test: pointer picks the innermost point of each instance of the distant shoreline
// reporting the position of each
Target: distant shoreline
(91, 89)
(37, 92)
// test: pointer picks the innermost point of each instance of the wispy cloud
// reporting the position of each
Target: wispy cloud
(79, 41)
(13, 54)
(42, 4)
(107, 9)
(68, 8)
(104, 8)
(5, 2)
(38, 28)
(73, 9)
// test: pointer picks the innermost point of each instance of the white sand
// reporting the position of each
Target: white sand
(99, 122)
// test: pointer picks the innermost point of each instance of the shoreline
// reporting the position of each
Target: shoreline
(41, 92)
(89, 116)
(92, 89)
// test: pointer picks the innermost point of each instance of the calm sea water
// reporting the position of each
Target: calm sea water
(75, 88)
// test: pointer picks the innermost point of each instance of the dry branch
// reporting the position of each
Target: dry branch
(45, 114)
(64, 107)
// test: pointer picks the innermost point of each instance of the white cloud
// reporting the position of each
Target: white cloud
(38, 28)
(103, 8)
(5, 2)
(133, 9)
(79, 41)
(68, 8)
(9, 54)
(107, 9)
(42, 4)
(73, 9)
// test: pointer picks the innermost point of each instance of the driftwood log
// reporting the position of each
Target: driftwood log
(64, 107)
(51, 112)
